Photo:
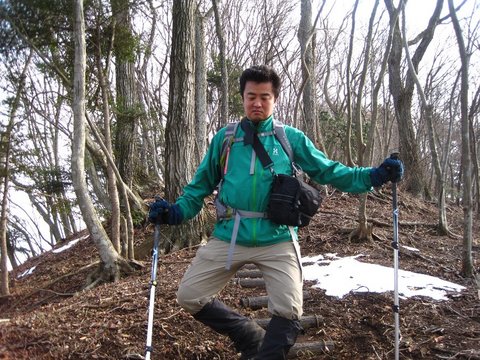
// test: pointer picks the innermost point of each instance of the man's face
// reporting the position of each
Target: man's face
(258, 100)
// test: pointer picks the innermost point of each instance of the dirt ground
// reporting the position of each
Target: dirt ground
(48, 317)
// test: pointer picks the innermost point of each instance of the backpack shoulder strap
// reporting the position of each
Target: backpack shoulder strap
(279, 131)
(228, 140)
(231, 129)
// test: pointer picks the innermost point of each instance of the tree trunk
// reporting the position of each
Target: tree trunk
(200, 87)
(109, 257)
(14, 223)
(306, 37)
(428, 110)
(369, 151)
(5, 154)
(442, 211)
(60, 199)
(11, 252)
(127, 231)
(54, 230)
(6, 143)
(223, 67)
(348, 69)
(472, 113)
(98, 188)
(127, 106)
(67, 219)
(402, 94)
(180, 131)
(111, 178)
(475, 168)
(361, 145)
(364, 230)
(467, 260)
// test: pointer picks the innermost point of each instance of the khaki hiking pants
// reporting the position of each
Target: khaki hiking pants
(279, 263)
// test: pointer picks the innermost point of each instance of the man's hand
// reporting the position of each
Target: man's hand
(390, 170)
(162, 212)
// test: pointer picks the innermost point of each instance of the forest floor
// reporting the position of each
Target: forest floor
(48, 317)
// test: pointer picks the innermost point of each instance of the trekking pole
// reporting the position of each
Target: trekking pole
(395, 246)
(153, 285)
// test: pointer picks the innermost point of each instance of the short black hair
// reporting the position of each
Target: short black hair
(261, 74)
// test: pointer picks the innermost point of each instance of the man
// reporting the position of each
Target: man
(273, 248)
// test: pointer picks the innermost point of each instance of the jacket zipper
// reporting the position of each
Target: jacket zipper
(254, 201)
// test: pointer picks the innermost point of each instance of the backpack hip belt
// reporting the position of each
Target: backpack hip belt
(238, 214)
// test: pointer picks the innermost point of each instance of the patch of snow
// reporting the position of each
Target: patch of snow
(26, 272)
(69, 245)
(340, 276)
(410, 248)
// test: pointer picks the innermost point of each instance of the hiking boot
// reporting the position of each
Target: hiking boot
(245, 333)
(251, 341)
(280, 336)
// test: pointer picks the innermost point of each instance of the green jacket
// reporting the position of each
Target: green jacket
(245, 191)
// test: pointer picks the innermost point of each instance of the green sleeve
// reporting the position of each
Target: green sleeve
(205, 180)
(325, 171)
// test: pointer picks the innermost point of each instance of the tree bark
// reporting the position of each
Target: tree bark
(6, 151)
(467, 260)
(200, 87)
(111, 177)
(441, 203)
(306, 38)
(6, 148)
(364, 230)
(127, 231)
(109, 257)
(127, 106)
(348, 137)
(428, 110)
(11, 251)
(223, 67)
(180, 131)
(402, 93)
(54, 230)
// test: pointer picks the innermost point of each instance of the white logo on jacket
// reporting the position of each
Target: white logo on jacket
(275, 151)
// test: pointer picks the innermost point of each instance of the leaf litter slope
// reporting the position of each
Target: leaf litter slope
(50, 318)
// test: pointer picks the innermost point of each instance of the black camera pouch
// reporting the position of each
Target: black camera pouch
(292, 201)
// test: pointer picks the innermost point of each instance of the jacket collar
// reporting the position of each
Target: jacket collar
(262, 126)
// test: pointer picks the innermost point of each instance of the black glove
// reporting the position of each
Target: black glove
(390, 170)
(162, 212)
